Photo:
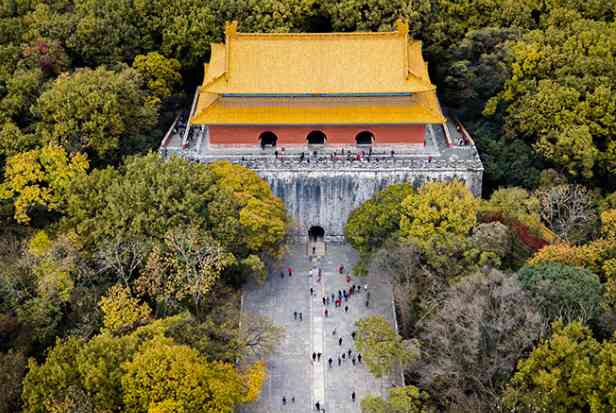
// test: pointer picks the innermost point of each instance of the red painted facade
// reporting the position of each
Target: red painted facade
(296, 135)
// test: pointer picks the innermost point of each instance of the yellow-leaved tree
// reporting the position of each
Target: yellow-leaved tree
(254, 377)
(121, 311)
(164, 373)
(40, 178)
(438, 209)
(608, 224)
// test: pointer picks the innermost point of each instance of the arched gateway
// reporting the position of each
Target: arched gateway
(316, 241)
(316, 233)
(316, 137)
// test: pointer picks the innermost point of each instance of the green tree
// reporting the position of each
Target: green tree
(381, 347)
(514, 203)
(161, 75)
(559, 96)
(568, 372)
(482, 65)
(407, 399)
(438, 209)
(13, 140)
(98, 111)
(149, 196)
(372, 15)
(20, 91)
(40, 178)
(563, 292)
(507, 161)
(52, 381)
(377, 219)
(180, 30)
(267, 16)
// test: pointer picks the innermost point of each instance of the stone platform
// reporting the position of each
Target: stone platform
(291, 370)
(321, 186)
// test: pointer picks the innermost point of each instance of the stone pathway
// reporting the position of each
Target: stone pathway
(291, 370)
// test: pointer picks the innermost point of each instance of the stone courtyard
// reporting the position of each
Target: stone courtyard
(291, 370)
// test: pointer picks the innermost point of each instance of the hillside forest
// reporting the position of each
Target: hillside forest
(120, 273)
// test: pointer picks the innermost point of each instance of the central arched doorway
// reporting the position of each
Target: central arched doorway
(364, 138)
(316, 241)
(316, 137)
(316, 233)
(268, 139)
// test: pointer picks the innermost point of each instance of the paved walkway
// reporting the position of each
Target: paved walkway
(291, 370)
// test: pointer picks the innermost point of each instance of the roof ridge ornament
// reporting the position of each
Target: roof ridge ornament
(230, 32)
(402, 26)
(230, 28)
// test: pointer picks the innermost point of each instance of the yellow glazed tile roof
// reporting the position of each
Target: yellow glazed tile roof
(419, 108)
(283, 64)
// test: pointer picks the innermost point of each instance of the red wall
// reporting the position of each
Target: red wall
(296, 135)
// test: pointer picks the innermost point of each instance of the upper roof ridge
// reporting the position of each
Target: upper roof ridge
(231, 30)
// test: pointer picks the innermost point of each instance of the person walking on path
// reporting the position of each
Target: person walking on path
(334, 332)
(293, 399)
(346, 308)
(300, 316)
(359, 358)
(281, 274)
(353, 334)
(330, 361)
(340, 341)
(350, 352)
(353, 396)
(333, 297)
(353, 360)
(295, 315)
(326, 312)
(284, 400)
(324, 301)
(290, 270)
(311, 291)
(341, 269)
(314, 356)
(319, 356)
(339, 361)
(318, 406)
(343, 356)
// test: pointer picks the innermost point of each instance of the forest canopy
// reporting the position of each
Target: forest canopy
(120, 272)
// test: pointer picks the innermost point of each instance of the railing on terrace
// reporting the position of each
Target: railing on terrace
(311, 162)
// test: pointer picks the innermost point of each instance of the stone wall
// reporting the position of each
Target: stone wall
(327, 197)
